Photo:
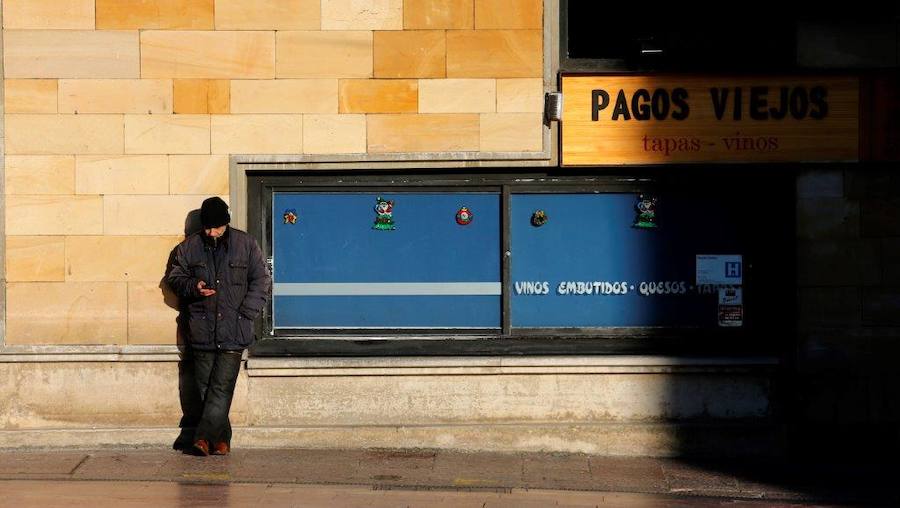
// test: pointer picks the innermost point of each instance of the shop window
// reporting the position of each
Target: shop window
(622, 37)
(339, 264)
(525, 263)
(599, 266)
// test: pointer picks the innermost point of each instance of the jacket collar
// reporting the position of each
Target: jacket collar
(221, 241)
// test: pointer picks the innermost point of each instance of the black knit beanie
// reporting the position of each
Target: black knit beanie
(214, 213)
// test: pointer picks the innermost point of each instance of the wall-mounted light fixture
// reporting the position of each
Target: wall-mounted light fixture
(553, 106)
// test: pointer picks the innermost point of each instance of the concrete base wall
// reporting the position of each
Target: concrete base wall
(128, 403)
(545, 398)
(95, 394)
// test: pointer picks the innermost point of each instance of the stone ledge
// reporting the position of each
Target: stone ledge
(478, 365)
(460, 158)
(79, 353)
(635, 439)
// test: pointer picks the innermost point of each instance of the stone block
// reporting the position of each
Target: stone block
(121, 174)
(248, 134)
(191, 96)
(202, 96)
(362, 15)
(325, 134)
(829, 306)
(411, 54)
(66, 313)
(35, 258)
(491, 470)
(341, 54)
(512, 132)
(169, 217)
(838, 262)
(379, 95)
(40, 174)
(457, 95)
(890, 256)
(864, 183)
(834, 43)
(138, 96)
(198, 174)
(29, 95)
(820, 183)
(212, 55)
(167, 134)
(54, 215)
(48, 14)
(557, 471)
(438, 14)
(520, 95)
(633, 474)
(118, 258)
(422, 133)
(268, 15)
(155, 14)
(60, 462)
(878, 217)
(284, 96)
(71, 54)
(134, 465)
(494, 54)
(152, 314)
(692, 478)
(881, 306)
(827, 218)
(312, 465)
(64, 134)
(849, 348)
(507, 14)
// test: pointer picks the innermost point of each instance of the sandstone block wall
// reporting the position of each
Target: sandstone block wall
(120, 117)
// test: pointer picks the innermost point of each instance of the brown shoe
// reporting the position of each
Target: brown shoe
(221, 448)
(201, 447)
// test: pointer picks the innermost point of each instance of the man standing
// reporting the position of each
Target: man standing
(220, 274)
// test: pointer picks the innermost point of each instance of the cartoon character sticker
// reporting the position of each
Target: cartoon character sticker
(290, 216)
(384, 215)
(464, 216)
(646, 212)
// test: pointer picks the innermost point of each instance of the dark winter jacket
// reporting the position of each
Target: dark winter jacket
(238, 273)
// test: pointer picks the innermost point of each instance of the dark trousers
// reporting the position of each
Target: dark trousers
(216, 373)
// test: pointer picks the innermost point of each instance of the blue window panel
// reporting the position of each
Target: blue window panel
(589, 238)
(333, 243)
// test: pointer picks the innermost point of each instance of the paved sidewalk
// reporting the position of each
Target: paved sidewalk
(485, 474)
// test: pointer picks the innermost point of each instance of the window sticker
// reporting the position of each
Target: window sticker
(731, 307)
(539, 218)
(384, 215)
(464, 216)
(646, 212)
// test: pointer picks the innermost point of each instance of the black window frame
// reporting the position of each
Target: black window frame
(742, 341)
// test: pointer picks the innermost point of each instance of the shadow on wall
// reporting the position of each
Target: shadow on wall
(188, 393)
(835, 406)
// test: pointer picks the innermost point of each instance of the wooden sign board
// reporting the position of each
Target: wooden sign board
(676, 119)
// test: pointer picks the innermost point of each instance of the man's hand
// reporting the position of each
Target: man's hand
(201, 286)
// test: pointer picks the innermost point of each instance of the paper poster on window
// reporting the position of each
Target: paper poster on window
(731, 307)
(720, 270)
